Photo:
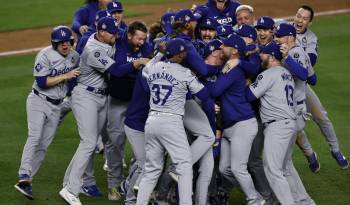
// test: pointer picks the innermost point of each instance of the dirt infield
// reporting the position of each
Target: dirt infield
(30, 38)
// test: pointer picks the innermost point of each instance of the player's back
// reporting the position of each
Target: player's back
(277, 101)
(169, 83)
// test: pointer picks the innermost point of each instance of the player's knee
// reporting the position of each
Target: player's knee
(321, 117)
(224, 169)
(184, 168)
(239, 169)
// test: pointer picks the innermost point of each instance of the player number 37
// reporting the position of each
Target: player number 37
(159, 92)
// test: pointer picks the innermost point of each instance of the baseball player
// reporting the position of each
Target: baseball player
(285, 35)
(89, 102)
(169, 83)
(308, 41)
(207, 30)
(134, 124)
(131, 52)
(85, 16)
(92, 29)
(264, 28)
(275, 88)
(115, 9)
(240, 124)
(245, 15)
(54, 65)
(223, 11)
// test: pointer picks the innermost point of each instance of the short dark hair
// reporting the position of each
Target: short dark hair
(306, 7)
(137, 26)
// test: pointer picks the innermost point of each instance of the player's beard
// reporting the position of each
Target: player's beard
(265, 63)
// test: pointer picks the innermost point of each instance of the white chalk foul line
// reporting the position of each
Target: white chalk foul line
(323, 13)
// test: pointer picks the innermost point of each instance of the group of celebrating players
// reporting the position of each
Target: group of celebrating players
(224, 96)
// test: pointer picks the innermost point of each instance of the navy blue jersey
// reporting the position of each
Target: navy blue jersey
(228, 16)
(138, 107)
(85, 15)
(231, 87)
(121, 87)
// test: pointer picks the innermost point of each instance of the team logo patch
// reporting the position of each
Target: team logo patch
(97, 54)
(72, 60)
(296, 55)
(260, 77)
(38, 67)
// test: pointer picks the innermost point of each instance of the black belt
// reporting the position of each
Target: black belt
(300, 102)
(271, 121)
(97, 90)
(53, 101)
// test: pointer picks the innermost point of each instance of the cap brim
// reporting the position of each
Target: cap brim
(262, 26)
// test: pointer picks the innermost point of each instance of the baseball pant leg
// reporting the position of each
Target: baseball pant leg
(278, 136)
(225, 162)
(256, 167)
(206, 166)
(48, 134)
(197, 123)
(320, 116)
(137, 141)
(115, 146)
(242, 135)
(90, 113)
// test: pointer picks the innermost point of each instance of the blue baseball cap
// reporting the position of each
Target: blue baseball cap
(174, 47)
(114, 6)
(273, 49)
(265, 22)
(247, 31)
(107, 24)
(285, 29)
(212, 46)
(223, 31)
(208, 23)
(166, 22)
(236, 42)
(185, 16)
(100, 14)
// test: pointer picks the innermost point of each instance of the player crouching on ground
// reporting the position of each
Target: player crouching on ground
(169, 83)
(54, 65)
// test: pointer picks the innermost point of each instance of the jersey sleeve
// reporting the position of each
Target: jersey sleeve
(42, 65)
(263, 82)
(192, 82)
(312, 45)
(303, 59)
(99, 60)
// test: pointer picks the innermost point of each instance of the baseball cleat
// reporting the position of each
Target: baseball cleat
(314, 165)
(91, 191)
(123, 188)
(114, 194)
(24, 179)
(25, 189)
(341, 160)
(69, 197)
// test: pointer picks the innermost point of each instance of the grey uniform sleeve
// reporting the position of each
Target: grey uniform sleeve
(151, 63)
(99, 60)
(263, 82)
(312, 44)
(303, 59)
(42, 65)
(192, 82)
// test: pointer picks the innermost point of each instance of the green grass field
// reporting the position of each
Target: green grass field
(40, 13)
(330, 186)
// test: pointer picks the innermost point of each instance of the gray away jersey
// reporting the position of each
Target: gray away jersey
(300, 56)
(49, 62)
(308, 41)
(95, 60)
(169, 83)
(275, 88)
